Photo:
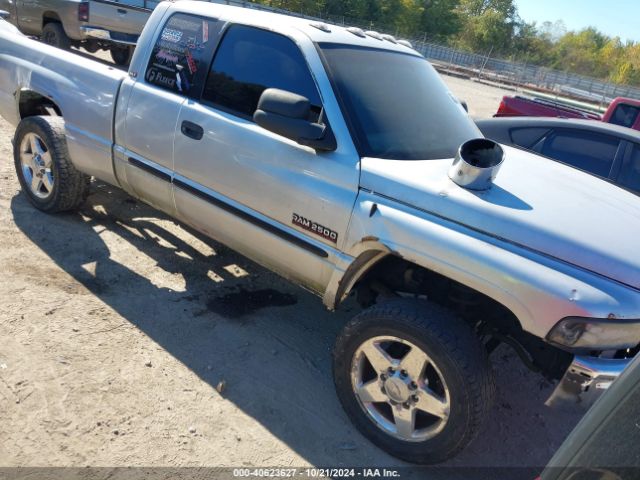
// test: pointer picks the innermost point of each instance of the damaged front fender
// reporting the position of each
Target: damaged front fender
(537, 289)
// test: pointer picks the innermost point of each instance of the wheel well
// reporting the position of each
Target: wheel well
(495, 323)
(48, 17)
(393, 275)
(33, 103)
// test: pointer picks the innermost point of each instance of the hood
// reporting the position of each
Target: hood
(536, 203)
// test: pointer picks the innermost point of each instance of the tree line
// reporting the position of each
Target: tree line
(488, 27)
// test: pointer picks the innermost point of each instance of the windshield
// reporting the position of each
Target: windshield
(396, 104)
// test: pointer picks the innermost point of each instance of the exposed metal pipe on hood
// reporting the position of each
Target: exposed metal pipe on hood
(476, 164)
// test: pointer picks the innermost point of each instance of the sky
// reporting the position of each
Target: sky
(616, 18)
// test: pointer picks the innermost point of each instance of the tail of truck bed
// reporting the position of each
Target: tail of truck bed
(121, 22)
(37, 79)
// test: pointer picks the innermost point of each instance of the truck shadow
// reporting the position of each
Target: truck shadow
(268, 340)
(276, 364)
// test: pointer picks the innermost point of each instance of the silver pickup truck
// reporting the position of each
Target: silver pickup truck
(113, 25)
(339, 159)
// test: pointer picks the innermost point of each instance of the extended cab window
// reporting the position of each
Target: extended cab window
(588, 151)
(249, 61)
(179, 58)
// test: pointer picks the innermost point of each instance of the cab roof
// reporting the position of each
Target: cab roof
(318, 32)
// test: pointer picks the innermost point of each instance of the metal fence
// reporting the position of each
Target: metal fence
(521, 74)
(483, 66)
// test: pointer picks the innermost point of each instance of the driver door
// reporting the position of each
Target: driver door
(282, 204)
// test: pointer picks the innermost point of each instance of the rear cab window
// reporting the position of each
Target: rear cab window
(625, 115)
(250, 60)
(181, 54)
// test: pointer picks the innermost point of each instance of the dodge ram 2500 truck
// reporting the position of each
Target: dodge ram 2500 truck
(339, 159)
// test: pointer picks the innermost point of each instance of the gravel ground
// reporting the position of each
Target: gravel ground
(127, 339)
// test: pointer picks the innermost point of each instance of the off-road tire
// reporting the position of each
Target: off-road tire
(71, 187)
(53, 34)
(121, 55)
(452, 346)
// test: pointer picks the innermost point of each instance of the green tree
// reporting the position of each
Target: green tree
(579, 52)
(438, 19)
(532, 46)
(488, 25)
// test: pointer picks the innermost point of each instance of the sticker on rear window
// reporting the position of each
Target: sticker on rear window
(171, 35)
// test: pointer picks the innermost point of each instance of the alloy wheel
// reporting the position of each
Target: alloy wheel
(36, 164)
(400, 388)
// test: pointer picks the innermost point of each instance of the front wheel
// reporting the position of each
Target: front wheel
(414, 379)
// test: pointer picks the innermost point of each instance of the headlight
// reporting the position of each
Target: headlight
(595, 333)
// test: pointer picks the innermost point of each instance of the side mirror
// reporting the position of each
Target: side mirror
(4, 14)
(464, 105)
(288, 114)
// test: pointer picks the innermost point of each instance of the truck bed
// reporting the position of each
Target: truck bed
(85, 91)
(537, 107)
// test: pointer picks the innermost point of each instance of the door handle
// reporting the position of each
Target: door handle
(122, 11)
(192, 130)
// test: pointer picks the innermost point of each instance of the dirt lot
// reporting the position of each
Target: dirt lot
(117, 325)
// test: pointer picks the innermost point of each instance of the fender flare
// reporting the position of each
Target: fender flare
(20, 93)
(365, 255)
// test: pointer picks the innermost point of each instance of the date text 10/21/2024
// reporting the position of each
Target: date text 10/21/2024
(315, 473)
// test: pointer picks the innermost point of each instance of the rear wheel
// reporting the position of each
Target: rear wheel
(121, 55)
(414, 379)
(46, 174)
(53, 34)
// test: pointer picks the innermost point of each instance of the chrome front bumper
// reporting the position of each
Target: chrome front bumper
(586, 379)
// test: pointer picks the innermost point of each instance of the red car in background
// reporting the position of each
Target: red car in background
(622, 111)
